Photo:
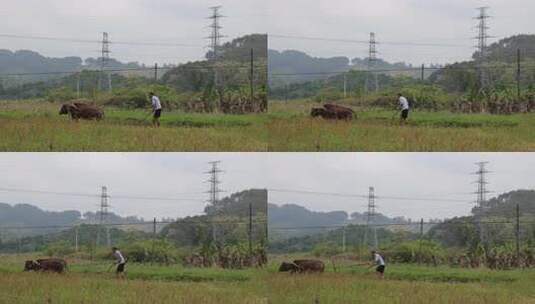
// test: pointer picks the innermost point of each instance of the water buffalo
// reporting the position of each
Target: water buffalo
(82, 111)
(303, 266)
(288, 267)
(48, 265)
(310, 266)
(333, 112)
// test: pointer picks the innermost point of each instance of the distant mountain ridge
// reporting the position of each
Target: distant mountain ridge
(302, 220)
(27, 61)
(313, 68)
(21, 215)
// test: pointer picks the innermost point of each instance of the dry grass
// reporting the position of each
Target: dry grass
(290, 129)
(33, 126)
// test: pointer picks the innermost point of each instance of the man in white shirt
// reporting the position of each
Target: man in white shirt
(404, 105)
(119, 261)
(156, 109)
(379, 261)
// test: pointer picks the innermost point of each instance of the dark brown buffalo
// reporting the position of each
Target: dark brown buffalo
(309, 266)
(82, 111)
(333, 112)
(303, 266)
(47, 265)
(288, 267)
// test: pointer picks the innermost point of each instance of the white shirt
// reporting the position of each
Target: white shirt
(120, 259)
(403, 103)
(156, 105)
(379, 260)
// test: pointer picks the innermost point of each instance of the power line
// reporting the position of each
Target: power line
(408, 69)
(223, 66)
(415, 224)
(349, 195)
(63, 39)
(398, 43)
(126, 197)
(245, 221)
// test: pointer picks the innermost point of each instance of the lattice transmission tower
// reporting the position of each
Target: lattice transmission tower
(372, 61)
(370, 220)
(482, 46)
(213, 192)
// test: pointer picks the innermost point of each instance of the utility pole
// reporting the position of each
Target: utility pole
(213, 192)
(421, 238)
(153, 239)
(370, 219)
(372, 59)
(78, 85)
(482, 39)
(422, 76)
(345, 85)
(76, 238)
(518, 74)
(517, 234)
(104, 216)
(344, 239)
(156, 72)
(105, 58)
(481, 199)
(250, 232)
(252, 76)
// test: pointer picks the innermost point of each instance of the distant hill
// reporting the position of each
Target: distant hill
(301, 219)
(501, 61)
(27, 61)
(28, 215)
(228, 220)
(463, 231)
(314, 68)
(233, 66)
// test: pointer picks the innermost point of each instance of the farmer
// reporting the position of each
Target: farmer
(156, 109)
(404, 106)
(378, 261)
(120, 262)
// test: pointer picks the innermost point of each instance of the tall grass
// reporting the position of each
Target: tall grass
(291, 129)
(36, 126)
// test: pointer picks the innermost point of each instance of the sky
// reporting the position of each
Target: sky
(414, 175)
(185, 22)
(148, 21)
(415, 21)
(180, 175)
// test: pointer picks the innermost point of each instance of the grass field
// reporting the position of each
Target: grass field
(88, 282)
(402, 284)
(36, 126)
(291, 129)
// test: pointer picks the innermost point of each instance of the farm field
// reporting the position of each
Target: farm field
(290, 128)
(36, 126)
(87, 282)
(91, 283)
(402, 284)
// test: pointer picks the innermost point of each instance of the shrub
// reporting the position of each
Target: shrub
(59, 249)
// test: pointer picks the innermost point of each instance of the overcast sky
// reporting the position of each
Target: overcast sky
(149, 21)
(180, 175)
(442, 176)
(184, 21)
(144, 174)
(418, 21)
